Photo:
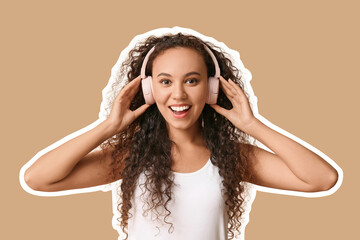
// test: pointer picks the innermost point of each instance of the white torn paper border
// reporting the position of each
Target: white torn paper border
(105, 107)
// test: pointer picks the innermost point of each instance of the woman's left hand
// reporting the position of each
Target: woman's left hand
(240, 115)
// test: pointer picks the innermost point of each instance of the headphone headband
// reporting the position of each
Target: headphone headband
(217, 69)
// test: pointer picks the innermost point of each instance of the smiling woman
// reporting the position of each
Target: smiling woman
(186, 77)
(191, 157)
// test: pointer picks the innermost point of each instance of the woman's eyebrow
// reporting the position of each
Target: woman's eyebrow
(188, 74)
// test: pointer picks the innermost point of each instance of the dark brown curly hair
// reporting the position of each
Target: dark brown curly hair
(137, 149)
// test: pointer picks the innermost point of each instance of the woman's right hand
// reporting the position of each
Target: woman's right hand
(121, 116)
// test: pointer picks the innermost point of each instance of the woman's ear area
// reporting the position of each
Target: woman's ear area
(153, 67)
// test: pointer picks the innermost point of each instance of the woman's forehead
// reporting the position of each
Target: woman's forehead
(173, 58)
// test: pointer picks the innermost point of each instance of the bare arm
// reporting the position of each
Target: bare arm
(292, 167)
(71, 165)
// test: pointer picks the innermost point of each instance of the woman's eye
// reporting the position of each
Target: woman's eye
(194, 80)
(164, 81)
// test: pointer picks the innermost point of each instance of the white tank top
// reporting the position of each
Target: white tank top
(197, 209)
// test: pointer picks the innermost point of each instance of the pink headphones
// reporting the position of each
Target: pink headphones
(213, 82)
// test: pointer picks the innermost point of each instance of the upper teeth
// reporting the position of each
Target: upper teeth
(180, 108)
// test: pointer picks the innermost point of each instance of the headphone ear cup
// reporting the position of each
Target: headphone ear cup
(213, 90)
(147, 89)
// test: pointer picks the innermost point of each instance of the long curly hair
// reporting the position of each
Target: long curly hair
(136, 148)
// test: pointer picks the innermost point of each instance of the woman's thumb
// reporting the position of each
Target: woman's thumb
(214, 107)
(218, 109)
(141, 110)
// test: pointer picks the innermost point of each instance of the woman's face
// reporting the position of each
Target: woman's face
(179, 76)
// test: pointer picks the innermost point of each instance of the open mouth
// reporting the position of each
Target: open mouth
(180, 112)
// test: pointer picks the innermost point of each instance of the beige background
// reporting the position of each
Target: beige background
(56, 57)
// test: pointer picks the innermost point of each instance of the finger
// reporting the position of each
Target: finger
(230, 86)
(237, 87)
(224, 83)
(133, 83)
(240, 98)
(141, 110)
(229, 89)
(130, 88)
(237, 92)
(134, 86)
(220, 110)
(234, 87)
(226, 87)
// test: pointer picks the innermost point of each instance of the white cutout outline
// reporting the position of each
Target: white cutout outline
(107, 93)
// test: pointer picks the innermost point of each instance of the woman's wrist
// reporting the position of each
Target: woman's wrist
(252, 126)
(107, 128)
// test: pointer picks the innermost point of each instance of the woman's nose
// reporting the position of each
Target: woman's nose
(178, 91)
